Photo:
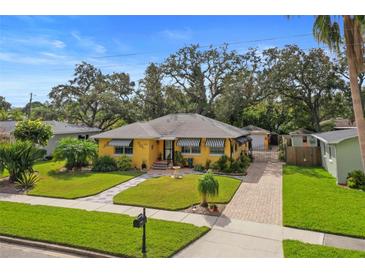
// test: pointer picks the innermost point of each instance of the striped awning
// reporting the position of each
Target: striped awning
(120, 143)
(188, 142)
(244, 139)
(214, 142)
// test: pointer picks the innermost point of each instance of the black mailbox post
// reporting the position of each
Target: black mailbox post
(141, 221)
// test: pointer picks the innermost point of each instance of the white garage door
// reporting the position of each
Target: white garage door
(258, 141)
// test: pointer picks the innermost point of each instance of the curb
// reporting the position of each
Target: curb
(55, 247)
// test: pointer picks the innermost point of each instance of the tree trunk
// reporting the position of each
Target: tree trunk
(355, 91)
(204, 201)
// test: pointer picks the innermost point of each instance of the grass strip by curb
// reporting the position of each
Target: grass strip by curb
(297, 249)
(96, 231)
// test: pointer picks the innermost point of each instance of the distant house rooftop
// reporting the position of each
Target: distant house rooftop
(181, 125)
(336, 136)
(301, 131)
(57, 127)
(255, 130)
(341, 123)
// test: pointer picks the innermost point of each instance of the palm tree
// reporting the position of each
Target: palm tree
(326, 29)
(208, 187)
(18, 158)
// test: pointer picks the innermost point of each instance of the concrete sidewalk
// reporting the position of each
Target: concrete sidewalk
(228, 237)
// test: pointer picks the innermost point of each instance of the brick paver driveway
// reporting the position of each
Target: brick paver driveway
(259, 198)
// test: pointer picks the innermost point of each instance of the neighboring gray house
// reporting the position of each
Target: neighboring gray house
(340, 152)
(60, 130)
(302, 138)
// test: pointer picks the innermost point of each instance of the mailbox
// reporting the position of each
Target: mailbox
(139, 221)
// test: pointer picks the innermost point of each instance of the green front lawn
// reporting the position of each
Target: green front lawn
(296, 249)
(105, 232)
(313, 201)
(174, 194)
(73, 185)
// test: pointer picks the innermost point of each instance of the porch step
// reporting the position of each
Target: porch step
(160, 165)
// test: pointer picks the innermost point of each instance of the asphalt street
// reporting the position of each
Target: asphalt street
(18, 251)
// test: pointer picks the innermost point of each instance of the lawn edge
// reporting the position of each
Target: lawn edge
(107, 254)
(192, 241)
(61, 245)
(54, 246)
(326, 231)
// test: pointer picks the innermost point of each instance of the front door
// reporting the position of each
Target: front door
(168, 150)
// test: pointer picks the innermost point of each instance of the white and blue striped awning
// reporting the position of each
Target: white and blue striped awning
(188, 142)
(214, 142)
(120, 143)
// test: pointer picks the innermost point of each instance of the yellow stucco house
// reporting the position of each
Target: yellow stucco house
(156, 142)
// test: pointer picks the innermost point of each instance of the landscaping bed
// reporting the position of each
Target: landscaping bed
(97, 231)
(71, 185)
(198, 209)
(297, 249)
(312, 200)
(175, 194)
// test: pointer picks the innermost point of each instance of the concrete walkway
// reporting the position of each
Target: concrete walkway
(106, 197)
(259, 198)
(228, 237)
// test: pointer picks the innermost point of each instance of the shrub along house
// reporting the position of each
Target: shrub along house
(340, 152)
(156, 142)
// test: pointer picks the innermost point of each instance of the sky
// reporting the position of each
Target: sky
(40, 52)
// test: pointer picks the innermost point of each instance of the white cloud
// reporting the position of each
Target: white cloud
(43, 58)
(35, 41)
(185, 34)
(58, 44)
(88, 43)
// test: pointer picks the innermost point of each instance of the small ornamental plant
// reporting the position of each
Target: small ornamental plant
(208, 187)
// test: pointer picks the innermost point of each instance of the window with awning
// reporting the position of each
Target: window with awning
(122, 146)
(189, 145)
(216, 145)
(120, 143)
(188, 142)
(214, 142)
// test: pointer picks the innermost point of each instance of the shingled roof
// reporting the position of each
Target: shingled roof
(336, 136)
(57, 127)
(255, 130)
(181, 125)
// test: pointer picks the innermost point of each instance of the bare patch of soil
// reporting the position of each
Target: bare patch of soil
(6, 187)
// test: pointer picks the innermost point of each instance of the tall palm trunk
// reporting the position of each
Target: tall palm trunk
(354, 68)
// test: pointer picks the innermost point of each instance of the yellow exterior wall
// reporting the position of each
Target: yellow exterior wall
(148, 151)
(144, 150)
